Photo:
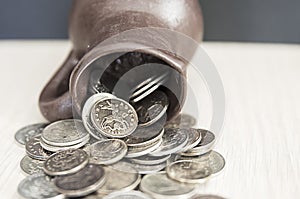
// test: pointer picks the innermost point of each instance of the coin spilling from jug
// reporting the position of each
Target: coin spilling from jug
(118, 150)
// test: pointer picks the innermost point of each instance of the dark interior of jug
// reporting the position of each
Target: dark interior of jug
(134, 75)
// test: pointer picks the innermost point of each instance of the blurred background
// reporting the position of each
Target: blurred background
(231, 20)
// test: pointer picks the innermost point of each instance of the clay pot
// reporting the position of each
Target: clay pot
(110, 28)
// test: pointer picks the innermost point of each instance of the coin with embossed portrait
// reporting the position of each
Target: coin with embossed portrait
(66, 162)
(114, 117)
(173, 141)
(38, 186)
(65, 133)
(107, 151)
(24, 134)
(30, 165)
(86, 181)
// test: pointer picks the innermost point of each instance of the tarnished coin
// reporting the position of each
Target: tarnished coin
(24, 134)
(38, 186)
(86, 115)
(213, 160)
(57, 148)
(151, 108)
(66, 162)
(159, 185)
(146, 135)
(207, 197)
(127, 195)
(119, 179)
(35, 150)
(182, 121)
(173, 141)
(150, 160)
(205, 145)
(114, 117)
(137, 151)
(107, 151)
(31, 166)
(87, 180)
(65, 133)
(194, 138)
(189, 171)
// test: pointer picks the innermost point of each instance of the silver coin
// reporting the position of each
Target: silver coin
(173, 141)
(137, 151)
(150, 160)
(119, 179)
(159, 185)
(86, 181)
(31, 166)
(66, 162)
(213, 160)
(127, 195)
(151, 108)
(189, 171)
(207, 197)
(24, 134)
(57, 148)
(86, 115)
(35, 150)
(107, 151)
(65, 133)
(194, 138)
(38, 186)
(144, 135)
(148, 169)
(182, 121)
(114, 117)
(205, 145)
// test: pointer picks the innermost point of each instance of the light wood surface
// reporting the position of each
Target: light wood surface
(260, 139)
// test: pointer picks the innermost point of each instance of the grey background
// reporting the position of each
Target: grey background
(225, 20)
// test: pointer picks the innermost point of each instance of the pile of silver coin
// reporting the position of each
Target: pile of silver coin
(118, 150)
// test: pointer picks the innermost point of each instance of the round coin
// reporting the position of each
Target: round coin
(107, 151)
(194, 138)
(66, 162)
(114, 117)
(205, 145)
(35, 150)
(213, 160)
(65, 133)
(31, 166)
(82, 183)
(127, 195)
(151, 108)
(188, 171)
(24, 134)
(38, 186)
(148, 169)
(173, 141)
(159, 185)
(123, 179)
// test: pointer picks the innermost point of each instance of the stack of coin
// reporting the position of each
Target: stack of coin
(106, 153)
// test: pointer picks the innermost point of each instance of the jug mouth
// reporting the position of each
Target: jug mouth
(164, 65)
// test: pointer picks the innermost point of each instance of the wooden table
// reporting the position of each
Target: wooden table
(261, 134)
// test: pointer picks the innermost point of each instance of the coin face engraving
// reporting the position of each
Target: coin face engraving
(85, 181)
(30, 165)
(64, 133)
(114, 117)
(24, 134)
(37, 186)
(107, 151)
(189, 171)
(66, 162)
